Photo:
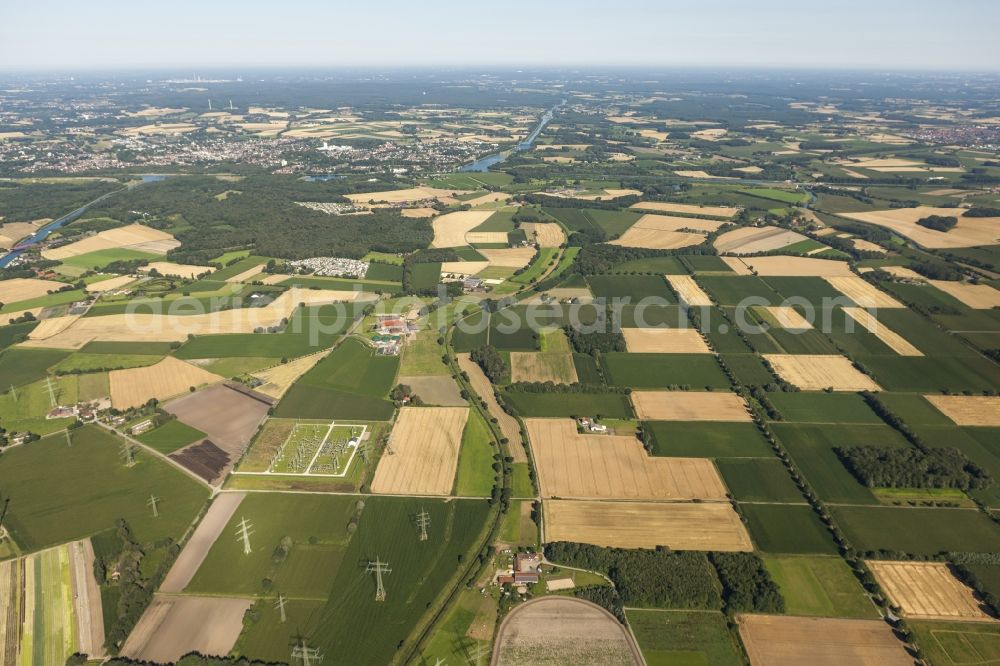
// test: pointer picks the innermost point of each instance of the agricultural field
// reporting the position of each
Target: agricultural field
(614, 255)
(50, 503)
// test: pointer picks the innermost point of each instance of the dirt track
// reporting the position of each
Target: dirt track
(197, 547)
(484, 389)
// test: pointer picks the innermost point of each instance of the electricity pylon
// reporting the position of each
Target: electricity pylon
(423, 520)
(378, 567)
(153, 500)
(243, 532)
(305, 654)
(280, 605)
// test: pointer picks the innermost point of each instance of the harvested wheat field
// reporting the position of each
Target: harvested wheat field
(750, 240)
(551, 631)
(53, 326)
(418, 212)
(816, 372)
(491, 197)
(144, 325)
(969, 231)
(891, 338)
(110, 284)
(783, 640)
(422, 454)
(484, 237)
(863, 292)
(613, 467)
(677, 525)
(665, 341)
(462, 268)
(169, 377)
(484, 389)
(868, 246)
(688, 290)
(927, 591)
(278, 379)
(787, 317)
(976, 296)
(655, 239)
(689, 406)
(450, 229)
(546, 234)
(173, 626)
(133, 237)
(556, 367)
(902, 272)
(23, 289)
(788, 266)
(676, 223)
(12, 232)
(404, 196)
(968, 410)
(514, 257)
(700, 173)
(690, 209)
(170, 269)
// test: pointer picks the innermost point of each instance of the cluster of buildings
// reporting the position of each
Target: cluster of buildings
(334, 208)
(525, 570)
(391, 332)
(331, 267)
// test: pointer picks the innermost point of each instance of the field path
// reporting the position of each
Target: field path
(196, 549)
(87, 598)
(508, 424)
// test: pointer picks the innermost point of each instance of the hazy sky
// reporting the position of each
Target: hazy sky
(889, 34)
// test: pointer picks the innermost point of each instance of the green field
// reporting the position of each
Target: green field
(811, 447)
(918, 531)
(475, 474)
(171, 436)
(422, 356)
(23, 366)
(663, 370)
(607, 405)
(684, 638)
(352, 627)
(424, 276)
(25, 408)
(819, 586)
(611, 222)
(668, 265)
(758, 480)
(914, 409)
(101, 258)
(785, 528)
(52, 502)
(84, 362)
(706, 439)
(634, 287)
(450, 642)
(15, 333)
(748, 369)
(932, 374)
(838, 408)
(538, 267)
(350, 383)
(732, 289)
(958, 643)
(310, 329)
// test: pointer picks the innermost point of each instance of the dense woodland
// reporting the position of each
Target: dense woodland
(260, 212)
(658, 578)
(492, 362)
(879, 467)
